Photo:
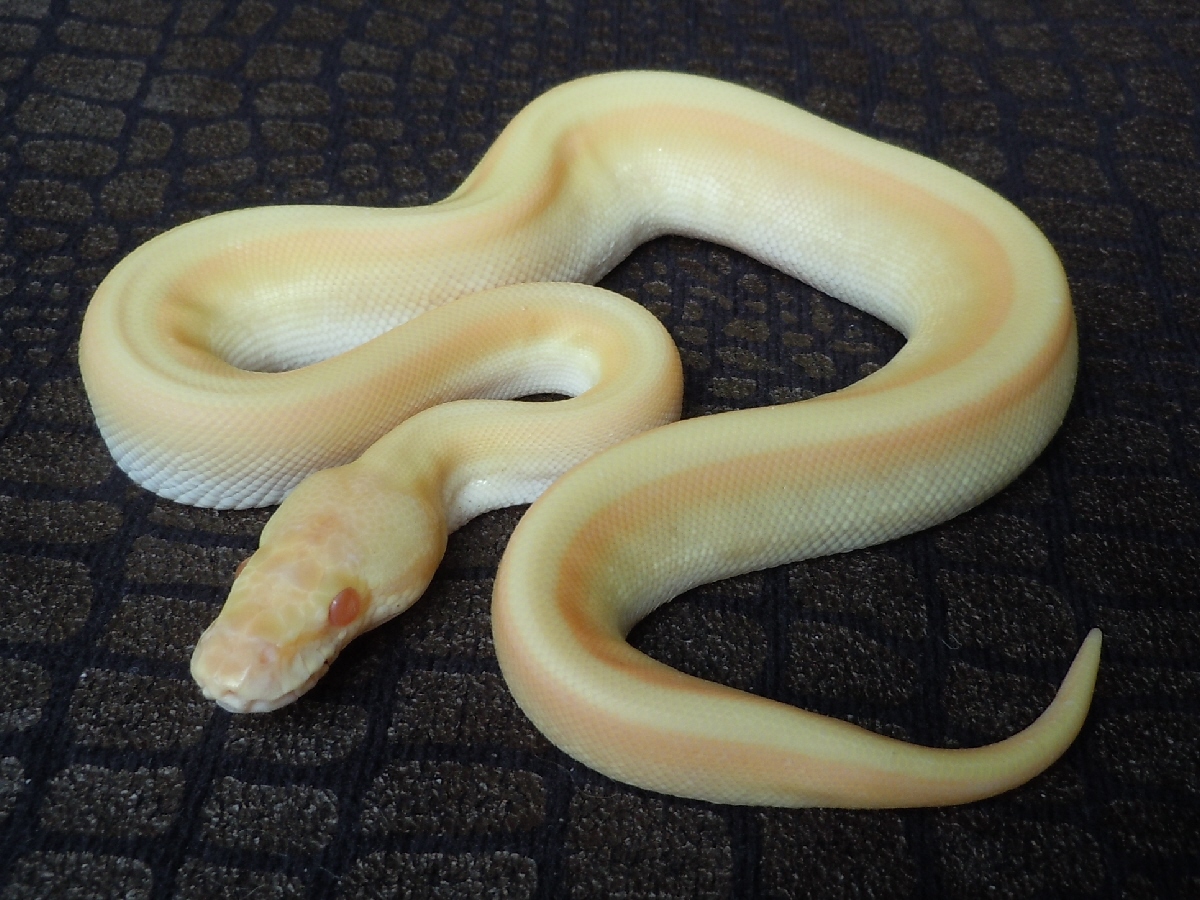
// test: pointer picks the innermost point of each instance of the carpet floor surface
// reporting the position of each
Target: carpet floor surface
(409, 771)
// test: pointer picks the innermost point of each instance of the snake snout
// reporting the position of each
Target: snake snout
(240, 672)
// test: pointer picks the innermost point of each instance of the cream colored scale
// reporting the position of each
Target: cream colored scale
(231, 358)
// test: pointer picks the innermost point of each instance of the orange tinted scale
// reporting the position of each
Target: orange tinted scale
(240, 566)
(344, 608)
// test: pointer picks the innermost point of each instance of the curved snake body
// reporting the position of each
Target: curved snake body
(230, 358)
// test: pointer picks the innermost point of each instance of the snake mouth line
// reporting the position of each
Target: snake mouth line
(232, 702)
(235, 702)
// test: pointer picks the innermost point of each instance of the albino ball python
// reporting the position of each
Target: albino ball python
(185, 345)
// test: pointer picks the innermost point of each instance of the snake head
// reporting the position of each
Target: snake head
(346, 551)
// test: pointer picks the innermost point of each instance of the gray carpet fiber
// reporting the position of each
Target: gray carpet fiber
(409, 772)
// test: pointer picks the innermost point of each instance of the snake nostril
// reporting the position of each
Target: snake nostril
(344, 607)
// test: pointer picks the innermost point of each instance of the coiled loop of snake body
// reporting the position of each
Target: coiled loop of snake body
(186, 343)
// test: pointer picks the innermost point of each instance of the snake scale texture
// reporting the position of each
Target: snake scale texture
(253, 356)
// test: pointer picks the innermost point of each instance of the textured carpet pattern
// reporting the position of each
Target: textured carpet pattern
(409, 772)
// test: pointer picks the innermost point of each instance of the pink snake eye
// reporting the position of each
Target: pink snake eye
(344, 607)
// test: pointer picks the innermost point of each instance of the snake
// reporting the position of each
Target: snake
(359, 367)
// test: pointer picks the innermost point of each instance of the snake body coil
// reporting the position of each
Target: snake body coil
(231, 358)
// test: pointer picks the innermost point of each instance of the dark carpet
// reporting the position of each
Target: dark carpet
(409, 772)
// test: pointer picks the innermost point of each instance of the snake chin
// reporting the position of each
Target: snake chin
(237, 704)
